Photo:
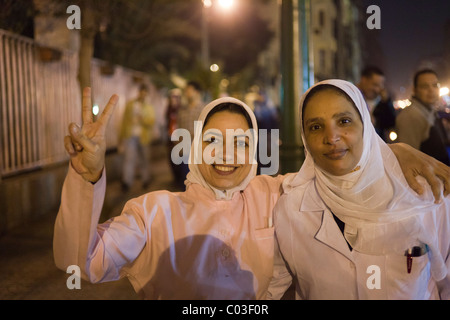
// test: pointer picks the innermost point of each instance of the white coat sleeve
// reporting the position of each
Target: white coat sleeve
(99, 250)
(444, 234)
(281, 279)
(444, 285)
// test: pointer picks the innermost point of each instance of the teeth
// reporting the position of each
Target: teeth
(223, 168)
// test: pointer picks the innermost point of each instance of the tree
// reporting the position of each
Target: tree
(156, 36)
(17, 16)
(163, 36)
(159, 37)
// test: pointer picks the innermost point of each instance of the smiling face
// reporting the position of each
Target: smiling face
(333, 131)
(218, 170)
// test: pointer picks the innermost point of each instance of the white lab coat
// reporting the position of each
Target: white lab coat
(323, 267)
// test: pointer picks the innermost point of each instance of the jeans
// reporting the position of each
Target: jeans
(136, 154)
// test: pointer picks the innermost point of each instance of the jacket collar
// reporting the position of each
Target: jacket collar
(311, 200)
(328, 232)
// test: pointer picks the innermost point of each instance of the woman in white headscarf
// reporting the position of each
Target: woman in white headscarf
(213, 241)
(348, 226)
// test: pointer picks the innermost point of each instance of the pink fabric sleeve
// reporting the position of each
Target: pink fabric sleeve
(99, 250)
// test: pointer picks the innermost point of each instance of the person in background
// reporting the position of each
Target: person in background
(381, 108)
(136, 135)
(188, 113)
(419, 124)
(173, 107)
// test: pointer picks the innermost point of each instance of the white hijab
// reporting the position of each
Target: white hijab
(381, 213)
(194, 175)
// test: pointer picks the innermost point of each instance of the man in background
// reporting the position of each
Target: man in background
(381, 108)
(419, 124)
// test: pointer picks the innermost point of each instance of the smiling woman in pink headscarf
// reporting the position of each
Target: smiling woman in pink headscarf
(348, 226)
(213, 241)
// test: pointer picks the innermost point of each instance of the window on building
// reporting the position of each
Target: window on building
(322, 61)
(322, 18)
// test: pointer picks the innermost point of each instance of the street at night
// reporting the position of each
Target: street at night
(225, 150)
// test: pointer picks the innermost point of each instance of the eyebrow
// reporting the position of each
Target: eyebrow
(335, 116)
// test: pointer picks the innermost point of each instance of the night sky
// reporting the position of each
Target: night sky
(411, 30)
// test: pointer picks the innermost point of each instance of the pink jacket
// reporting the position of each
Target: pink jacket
(184, 245)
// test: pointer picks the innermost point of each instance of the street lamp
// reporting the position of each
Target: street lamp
(207, 4)
(205, 36)
(214, 68)
(226, 4)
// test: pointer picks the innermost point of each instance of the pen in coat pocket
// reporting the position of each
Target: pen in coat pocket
(416, 251)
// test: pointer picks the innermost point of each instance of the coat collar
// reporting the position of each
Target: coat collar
(311, 200)
(328, 232)
(330, 235)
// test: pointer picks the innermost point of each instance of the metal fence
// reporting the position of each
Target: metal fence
(39, 97)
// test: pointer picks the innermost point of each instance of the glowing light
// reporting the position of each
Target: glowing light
(224, 83)
(226, 4)
(214, 68)
(393, 136)
(402, 104)
(207, 3)
(444, 91)
(95, 109)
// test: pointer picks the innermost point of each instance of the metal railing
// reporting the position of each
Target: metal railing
(39, 98)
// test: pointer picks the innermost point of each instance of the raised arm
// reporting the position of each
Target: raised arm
(416, 163)
(76, 232)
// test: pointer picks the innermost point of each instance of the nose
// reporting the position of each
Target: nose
(332, 135)
(225, 153)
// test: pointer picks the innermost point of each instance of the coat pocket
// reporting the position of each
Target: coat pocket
(408, 283)
(265, 233)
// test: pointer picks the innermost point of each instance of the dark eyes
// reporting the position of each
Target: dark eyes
(214, 140)
(342, 122)
(240, 143)
(314, 127)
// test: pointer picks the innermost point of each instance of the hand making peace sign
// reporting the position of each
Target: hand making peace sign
(87, 145)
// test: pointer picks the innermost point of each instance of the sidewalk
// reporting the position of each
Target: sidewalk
(27, 269)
